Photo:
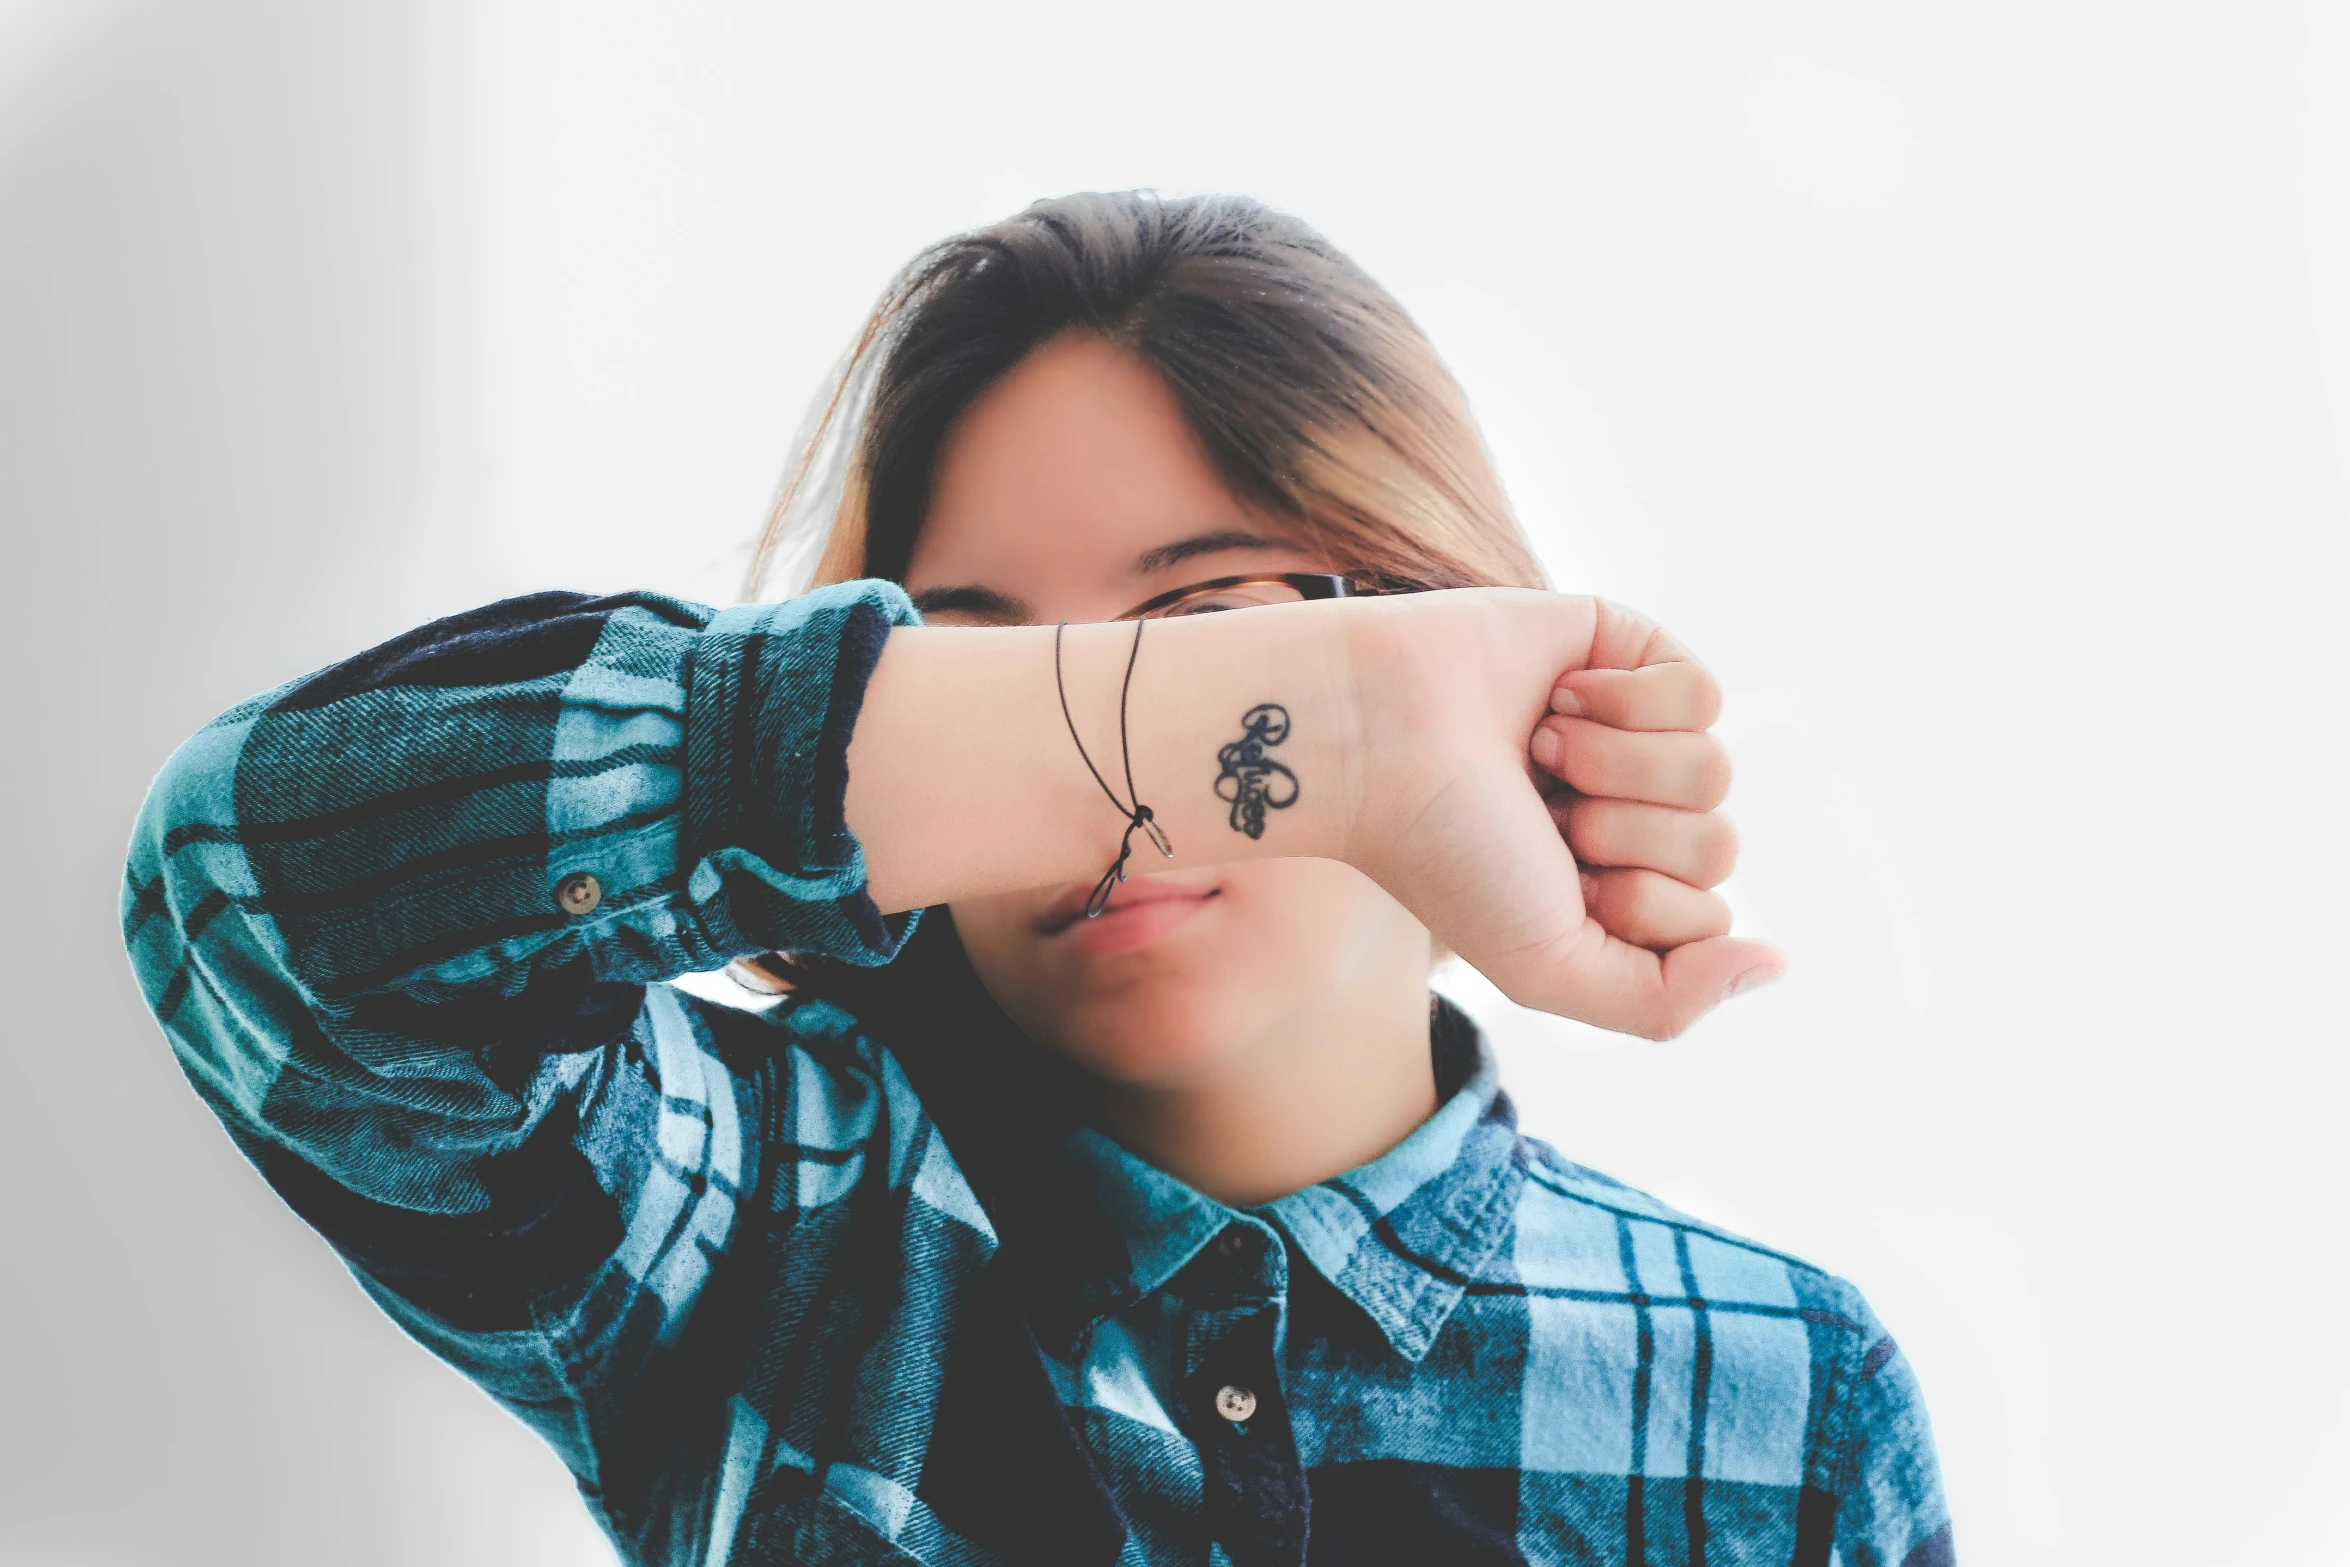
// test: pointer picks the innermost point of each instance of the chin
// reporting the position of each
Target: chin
(1140, 1014)
(1153, 1033)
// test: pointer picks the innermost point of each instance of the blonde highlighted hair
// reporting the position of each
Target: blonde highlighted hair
(1316, 396)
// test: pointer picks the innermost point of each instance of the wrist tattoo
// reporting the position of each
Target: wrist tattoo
(1252, 781)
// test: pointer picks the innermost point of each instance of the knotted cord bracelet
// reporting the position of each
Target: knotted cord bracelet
(1138, 815)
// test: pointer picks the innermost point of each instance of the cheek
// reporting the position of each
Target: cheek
(1294, 927)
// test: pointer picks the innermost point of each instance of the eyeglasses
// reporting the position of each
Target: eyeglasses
(1285, 587)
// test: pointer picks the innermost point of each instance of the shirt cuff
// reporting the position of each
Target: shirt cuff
(772, 696)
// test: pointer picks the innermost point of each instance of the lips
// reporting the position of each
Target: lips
(1069, 908)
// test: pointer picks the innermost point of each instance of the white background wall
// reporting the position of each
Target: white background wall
(1970, 384)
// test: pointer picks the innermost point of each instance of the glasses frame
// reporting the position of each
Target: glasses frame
(1309, 584)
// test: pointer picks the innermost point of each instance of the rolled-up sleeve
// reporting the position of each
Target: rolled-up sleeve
(402, 922)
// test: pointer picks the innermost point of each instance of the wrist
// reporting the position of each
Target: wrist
(1245, 731)
(1384, 680)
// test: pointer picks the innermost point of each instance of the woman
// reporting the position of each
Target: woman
(1140, 1206)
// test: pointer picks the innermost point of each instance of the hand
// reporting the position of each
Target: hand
(1639, 783)
(1451, 689)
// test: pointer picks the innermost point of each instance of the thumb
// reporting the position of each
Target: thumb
(1612, 984)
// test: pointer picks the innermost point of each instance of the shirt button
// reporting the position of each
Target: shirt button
(1233, 1242)
(1235, 1403)
(578, 893)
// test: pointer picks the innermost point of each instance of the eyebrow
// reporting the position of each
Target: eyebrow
(1202, 544)
(971, 599)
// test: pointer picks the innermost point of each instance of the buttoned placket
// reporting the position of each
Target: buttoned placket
(1206, 1290)
(1236, 1299)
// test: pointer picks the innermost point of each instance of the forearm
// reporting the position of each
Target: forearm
(526, 812)
(401, 922)
(963, 779)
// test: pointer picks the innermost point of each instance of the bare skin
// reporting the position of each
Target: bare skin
(1256, 1012)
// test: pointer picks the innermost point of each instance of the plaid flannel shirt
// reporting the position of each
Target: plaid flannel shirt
(770, 1306)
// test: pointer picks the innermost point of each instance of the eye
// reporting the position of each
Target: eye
(1241, 595)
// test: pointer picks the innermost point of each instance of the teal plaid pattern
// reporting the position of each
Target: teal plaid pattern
(772, 1304)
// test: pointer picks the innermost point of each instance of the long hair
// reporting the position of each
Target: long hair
(1316, 397)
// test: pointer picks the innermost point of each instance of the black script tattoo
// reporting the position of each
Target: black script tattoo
(1250, 779)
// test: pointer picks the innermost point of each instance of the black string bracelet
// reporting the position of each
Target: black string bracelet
(1138, 815)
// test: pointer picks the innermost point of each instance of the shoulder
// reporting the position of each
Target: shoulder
(1580, 1229)
(1771, 1370)
(1797, 1370)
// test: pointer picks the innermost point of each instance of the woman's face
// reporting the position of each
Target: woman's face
(1074, 490)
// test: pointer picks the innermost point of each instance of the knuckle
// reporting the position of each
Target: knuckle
(1603, 705)
(1717, 916)
(1713, 774)
(1587, 757)
(1717, 853)
(1606, 896)
(1646, 899)
(1705, 697)
(1657, 699)
(1601, 824)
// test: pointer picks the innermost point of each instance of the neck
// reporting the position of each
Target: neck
(1319, 1092)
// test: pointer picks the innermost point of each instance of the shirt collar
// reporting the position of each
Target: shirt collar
(1402, 1237)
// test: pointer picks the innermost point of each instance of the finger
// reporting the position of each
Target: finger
(1653, 911)
(1691, 771)
(1697, 847)
(1605, 981)
(1678, 695)
(1625, 639)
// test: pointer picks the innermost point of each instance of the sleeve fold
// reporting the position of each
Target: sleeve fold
(775, 864)
(355, 906)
